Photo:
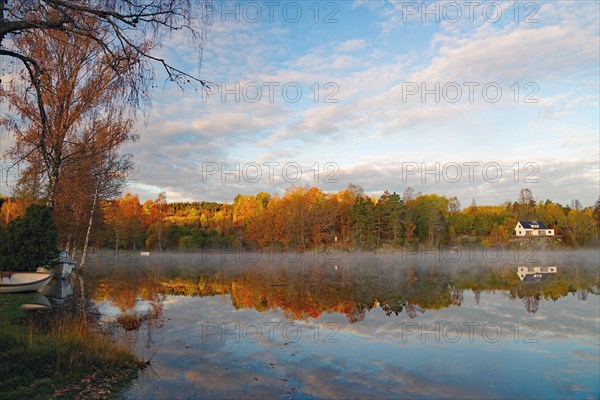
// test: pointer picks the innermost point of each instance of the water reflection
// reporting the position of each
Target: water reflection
(56, 293)
(36, 302)
(362, 327)
(536, 273)
(59, 290)
(316, 289)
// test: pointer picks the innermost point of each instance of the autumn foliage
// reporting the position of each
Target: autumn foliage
(306, 218)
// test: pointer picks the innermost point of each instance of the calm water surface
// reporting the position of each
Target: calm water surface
(368, 326)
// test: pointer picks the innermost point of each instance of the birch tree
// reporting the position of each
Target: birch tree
(128, 33)
(87, 120)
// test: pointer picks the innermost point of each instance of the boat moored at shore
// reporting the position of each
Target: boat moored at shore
(19, 282)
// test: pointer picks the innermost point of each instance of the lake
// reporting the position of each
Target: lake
(339, 325)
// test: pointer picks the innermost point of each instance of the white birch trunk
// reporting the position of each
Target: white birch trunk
(89, 230)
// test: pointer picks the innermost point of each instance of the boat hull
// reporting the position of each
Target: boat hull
(60, 271)
(61, 268)
(19, 282)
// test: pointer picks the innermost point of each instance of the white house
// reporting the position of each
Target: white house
(532, 228)
(535, 273)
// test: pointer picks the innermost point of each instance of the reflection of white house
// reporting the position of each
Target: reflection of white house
(532, 228)
(535, 273)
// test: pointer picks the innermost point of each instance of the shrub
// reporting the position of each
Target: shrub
(30, 241)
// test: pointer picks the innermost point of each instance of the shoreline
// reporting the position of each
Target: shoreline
(60, 357)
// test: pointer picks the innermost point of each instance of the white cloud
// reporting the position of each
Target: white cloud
(351, 45)
(373, 128)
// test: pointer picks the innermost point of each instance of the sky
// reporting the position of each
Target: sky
(461, 99)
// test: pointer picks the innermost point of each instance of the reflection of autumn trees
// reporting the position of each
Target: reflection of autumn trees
(125, 288)
(312, 290)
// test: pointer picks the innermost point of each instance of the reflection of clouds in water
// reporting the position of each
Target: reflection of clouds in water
(331, 379)
(223, 374)
(587, 354)
(566, 319)
(370, 358)
(109, 310)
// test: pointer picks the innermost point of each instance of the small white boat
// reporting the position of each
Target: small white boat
(61, 268)
(17, 282)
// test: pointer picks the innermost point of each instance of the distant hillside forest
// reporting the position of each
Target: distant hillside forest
(306, 218)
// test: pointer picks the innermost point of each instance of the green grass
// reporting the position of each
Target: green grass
(44, 356)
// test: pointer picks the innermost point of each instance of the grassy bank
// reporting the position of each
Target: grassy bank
(48, 356)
